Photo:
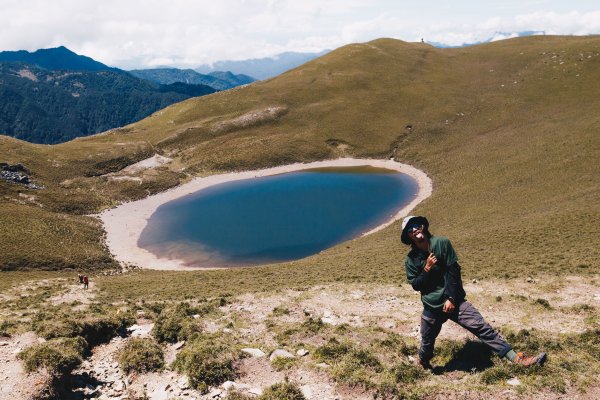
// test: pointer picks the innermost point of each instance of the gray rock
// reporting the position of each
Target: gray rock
(179, 345)
(302, 352)
(183, 383)
(280, 353)
(514, 382)
(254, 352)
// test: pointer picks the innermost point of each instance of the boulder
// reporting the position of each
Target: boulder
(280, 353)
(254, 352)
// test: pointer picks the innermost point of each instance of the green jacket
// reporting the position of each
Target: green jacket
(442, 281)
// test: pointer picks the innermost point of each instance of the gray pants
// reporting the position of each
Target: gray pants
(466, 316)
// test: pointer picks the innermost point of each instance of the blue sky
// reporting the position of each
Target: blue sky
(187, 33)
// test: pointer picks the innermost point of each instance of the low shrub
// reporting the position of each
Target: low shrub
(175, 323)
(141, 355)
(496, 374)
(282, 391)
(207, 361)
(235, 395)
(96, 325)
(405, 373)
(58, 356)
(332, 351)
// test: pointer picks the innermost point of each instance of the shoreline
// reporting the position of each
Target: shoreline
(124, 224)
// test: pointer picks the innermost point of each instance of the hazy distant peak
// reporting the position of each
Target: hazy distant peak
(262, 68)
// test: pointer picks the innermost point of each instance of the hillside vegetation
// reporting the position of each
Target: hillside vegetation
(508, 131)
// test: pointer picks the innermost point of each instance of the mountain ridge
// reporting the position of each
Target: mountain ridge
(55, 58)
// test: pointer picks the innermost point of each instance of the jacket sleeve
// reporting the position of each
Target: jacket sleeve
(417, 277)
(453, 286)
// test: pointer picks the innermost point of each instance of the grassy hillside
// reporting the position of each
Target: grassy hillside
(508, 131)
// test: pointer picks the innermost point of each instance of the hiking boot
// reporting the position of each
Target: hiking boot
(424, 364)
(528, 361)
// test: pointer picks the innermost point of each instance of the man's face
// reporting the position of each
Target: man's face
(417, 233)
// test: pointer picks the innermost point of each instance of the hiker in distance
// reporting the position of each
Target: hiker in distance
(432, 268)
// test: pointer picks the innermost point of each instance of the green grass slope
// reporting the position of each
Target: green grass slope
(508, 131)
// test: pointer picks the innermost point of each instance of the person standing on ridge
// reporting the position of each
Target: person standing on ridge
(86, 282)
(432, 268)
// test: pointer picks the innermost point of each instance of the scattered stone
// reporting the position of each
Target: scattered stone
(254, 352)
(140, 330)
(280, 353)
(183, 383)
(308, 312)
(322, 365)
(228, 385)
(302, 352)
(306, 391)
(215, 393)
(160, 393)
(3, 344)
(389, 325)
(119, 386)
(329, 320)
(255, 391)
(514, 382)
(179, 345)
(227, 330)
(196, 316)
(475, 281)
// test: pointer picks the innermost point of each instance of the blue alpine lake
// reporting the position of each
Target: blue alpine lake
(275, 218)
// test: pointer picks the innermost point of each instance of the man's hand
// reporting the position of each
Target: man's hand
(431, 260)
(448, 307)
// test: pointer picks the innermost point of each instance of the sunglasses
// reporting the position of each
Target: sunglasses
(414, 227)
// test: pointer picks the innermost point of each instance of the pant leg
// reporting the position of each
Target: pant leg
(469, 318)
(430, 328)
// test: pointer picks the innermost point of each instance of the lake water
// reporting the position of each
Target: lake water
(275, 218)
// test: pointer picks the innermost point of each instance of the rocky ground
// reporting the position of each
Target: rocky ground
(544, 304)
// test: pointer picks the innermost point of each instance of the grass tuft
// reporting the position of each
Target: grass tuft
(141, 355)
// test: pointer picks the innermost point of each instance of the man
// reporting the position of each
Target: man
(432, 268)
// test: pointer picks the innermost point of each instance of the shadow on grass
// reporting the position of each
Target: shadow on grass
(474, 356)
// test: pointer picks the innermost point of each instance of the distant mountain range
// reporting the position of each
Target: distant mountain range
(497, 36)
(50, 106)
(54, 95)
(262, 68)
(218, 80)
(56, 58)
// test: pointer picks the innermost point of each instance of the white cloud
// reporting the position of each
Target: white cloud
(187, 33)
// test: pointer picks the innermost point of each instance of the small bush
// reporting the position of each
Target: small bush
(332, 351)
(544, 303)
(496, 374)
(279, 311)
(396, 343)
(95, 326)
(141, 355)
(282, 391)
(283, 363)
(313, 325)
(58, 356)
(235, 395)
(174, 324)
(207, 361)
(407, 373)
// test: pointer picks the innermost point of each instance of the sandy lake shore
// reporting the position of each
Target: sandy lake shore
(125, 223)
